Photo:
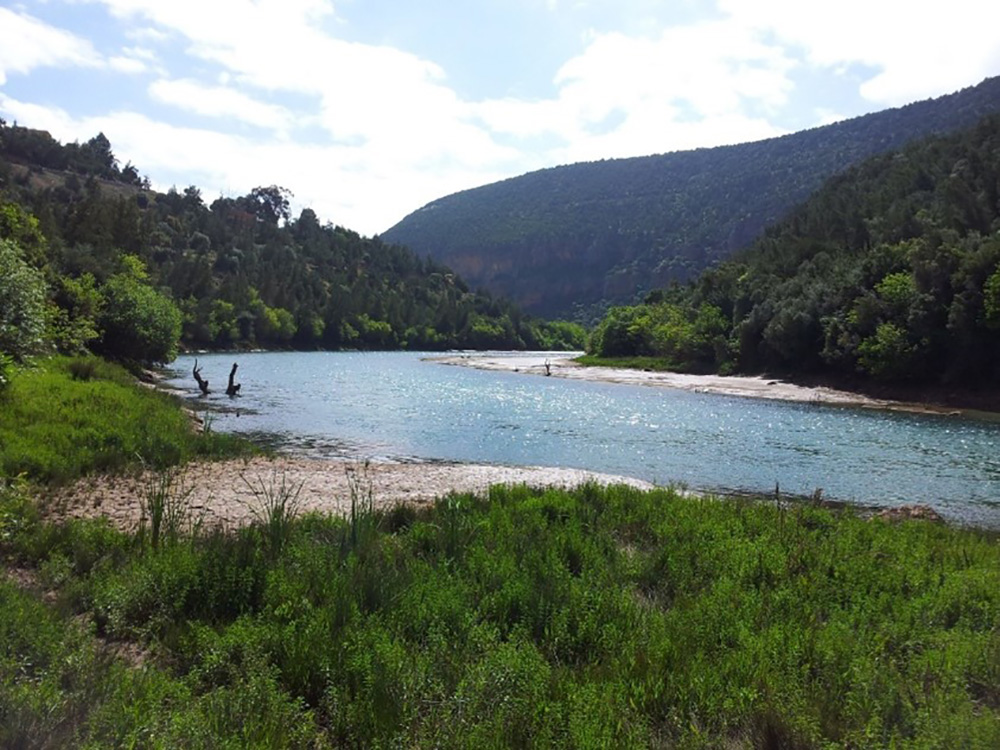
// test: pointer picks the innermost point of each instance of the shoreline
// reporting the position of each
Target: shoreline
(228, 493)
(742, 386)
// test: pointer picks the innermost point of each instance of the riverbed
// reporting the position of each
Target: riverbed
(403, 407)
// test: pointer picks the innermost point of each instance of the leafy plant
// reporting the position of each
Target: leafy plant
(22, 304)
(137, 322)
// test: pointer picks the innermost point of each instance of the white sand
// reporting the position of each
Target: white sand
(563, 366)
(226, 493)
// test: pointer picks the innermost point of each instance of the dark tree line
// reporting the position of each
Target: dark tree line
(891, 271)
(239, 272)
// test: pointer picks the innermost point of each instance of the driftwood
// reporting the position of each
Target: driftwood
(233, 389)
(548, 368)
(202, 383)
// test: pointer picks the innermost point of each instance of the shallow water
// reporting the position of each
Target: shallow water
(394, 405)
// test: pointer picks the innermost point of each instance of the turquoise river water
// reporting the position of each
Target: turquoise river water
(396, 406)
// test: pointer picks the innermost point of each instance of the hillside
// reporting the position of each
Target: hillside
(583, 236)
(889, 274)
(241, 272)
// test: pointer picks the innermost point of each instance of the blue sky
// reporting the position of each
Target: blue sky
(368, 109)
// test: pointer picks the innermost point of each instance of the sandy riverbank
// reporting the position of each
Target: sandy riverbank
(223, 493)
(745, 386)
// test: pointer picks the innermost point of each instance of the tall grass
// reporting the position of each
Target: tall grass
(586, 618)
(166, 508)
(363, 520)
(62, 419)
(274, 507)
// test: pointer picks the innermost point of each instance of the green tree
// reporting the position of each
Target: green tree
(22, 304)
(73, 313)
(889, 354)
(270, 203)
(137, 322)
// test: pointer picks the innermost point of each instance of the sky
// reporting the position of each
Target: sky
(369, 109)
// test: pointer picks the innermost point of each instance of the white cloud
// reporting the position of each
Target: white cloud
(687, 87)
(221, 102)
(394, 102)
(130, 65)
(27, 43)
(918, 50)
(381, 130)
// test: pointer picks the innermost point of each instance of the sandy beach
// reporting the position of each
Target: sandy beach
(228, 493)
(744, 386)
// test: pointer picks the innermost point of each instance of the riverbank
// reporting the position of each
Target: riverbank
(728, 385)
(228, 493)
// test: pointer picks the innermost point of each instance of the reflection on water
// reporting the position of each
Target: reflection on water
(395, 406)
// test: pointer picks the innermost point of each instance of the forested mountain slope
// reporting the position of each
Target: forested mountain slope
(587, 235)
(242, 271)
(891, 272)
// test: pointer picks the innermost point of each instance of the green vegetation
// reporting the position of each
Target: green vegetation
(590, 618)
(890, 273)
(583, 237)
(131, 273)
(22, 304)
(65, 418)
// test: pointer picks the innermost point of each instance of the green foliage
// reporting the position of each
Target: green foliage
(22, 304)
(587, 236)
(555, 335)
(274, 507)
(73, 313)
(243, 272)
(888, 354)
(23, 229)
(991, 299)
(57, 426)
(587, 618)
(678, 337)
(6, 373)
(137, 323)
(889, 272)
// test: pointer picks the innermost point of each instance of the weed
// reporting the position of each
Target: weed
(165, 505)
(598, 617)
(274, 507)
(82, 368)
(363, 521)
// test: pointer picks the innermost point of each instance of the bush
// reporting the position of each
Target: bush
(22, 304)
(137, 323)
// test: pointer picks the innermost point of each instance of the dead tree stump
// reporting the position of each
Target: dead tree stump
(233, 389)
(202, 383)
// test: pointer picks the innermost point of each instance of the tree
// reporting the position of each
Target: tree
(97, 158)
(888, 354)
(138, 323)
(22, 304)
(271, 203)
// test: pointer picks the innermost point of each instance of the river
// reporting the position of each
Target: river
(397, 406)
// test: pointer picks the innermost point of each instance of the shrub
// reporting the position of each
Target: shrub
(137, 323)
(22, 304)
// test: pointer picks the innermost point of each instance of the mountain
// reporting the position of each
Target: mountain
(584, 236)
(888, 274)
(241, 272)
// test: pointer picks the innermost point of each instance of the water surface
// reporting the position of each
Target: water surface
(397, 406)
